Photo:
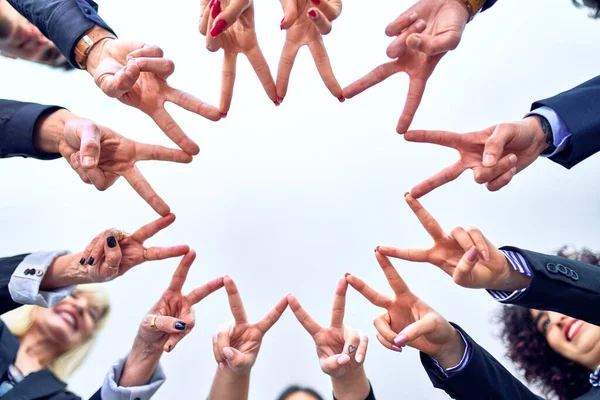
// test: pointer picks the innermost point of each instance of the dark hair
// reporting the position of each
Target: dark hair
(554, 374)
(295, 389)
(593, 4)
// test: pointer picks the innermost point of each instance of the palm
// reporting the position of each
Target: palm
(443, 17)
(303, 31)
(174, 304)
(241, 36)
(330, 341)
(247, 338)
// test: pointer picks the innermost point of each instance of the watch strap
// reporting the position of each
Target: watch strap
(95, 35)
(474, 6)
(547, 129)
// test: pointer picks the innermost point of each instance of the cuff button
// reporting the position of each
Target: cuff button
(39, 272)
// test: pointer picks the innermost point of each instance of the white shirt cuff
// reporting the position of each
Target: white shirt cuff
(518, 262)
(24, 284)
(461, 365)
(560, 131)
(112, 391)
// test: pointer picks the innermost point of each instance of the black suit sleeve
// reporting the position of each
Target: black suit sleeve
(96, 396)
(7, 267)
(578, 108)
(482, 378)
(562, 285)
(17, 126)
(62, 21)
(371, 395)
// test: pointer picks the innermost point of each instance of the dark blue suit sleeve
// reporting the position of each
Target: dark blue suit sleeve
(62, 21)
(579, 110)
(488, 4)
(562, 285)
(482, 378)
(7, 267)
(17, 125)
(370, 396)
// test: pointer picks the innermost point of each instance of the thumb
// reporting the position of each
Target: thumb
(331, 364)
(494, 146)
(433, 45)
(462, 273)
(89, 134)
(290, 13)
(234, 357)
(414, 331)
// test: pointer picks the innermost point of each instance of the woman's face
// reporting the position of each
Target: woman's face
(72, 321)
(572, 338)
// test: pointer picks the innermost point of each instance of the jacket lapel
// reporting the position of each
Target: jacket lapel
(9, 345)
(35, 386)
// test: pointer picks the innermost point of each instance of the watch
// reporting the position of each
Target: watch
(95, 35)
(474, 6)
(547, 129)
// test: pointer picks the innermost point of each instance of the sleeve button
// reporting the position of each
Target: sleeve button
(551, 268)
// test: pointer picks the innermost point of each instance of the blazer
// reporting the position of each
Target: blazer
(62, 21)
(558, 284)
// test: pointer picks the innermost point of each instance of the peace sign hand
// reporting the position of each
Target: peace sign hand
(172, 317)
(408, 320)
(466, 255)
(237, 345)
(341, 351)
(229, 25)
(306, 21)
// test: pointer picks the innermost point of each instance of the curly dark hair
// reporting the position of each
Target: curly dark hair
(295, 389)
(593, 4)
(557, 376)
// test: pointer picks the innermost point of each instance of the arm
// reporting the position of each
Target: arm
(228, 384)
(352, 387)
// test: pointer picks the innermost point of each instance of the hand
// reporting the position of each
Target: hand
(306, 21)
(172, 317)
(466, 255)
(341, 351)
(236, 346)
(136, 74)
(232, 29)
(425, 33)
(100, 156)
(494, 154)
(409, 321)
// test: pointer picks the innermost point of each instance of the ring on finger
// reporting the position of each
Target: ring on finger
(121, 235)
(110, 266)
(145, 254)
(153, 322)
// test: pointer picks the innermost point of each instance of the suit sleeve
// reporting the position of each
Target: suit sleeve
(8, 265)
(562, 285)
(62, 21)
(488, 4)
(578, 109)
(17, 126)
(482, 378)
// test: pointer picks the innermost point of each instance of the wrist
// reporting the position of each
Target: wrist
(95, 54)
(451, 352)
(140, 364)
(49, 129)
(512, 280)
(540, 142)
(351, 386)
(65, 271)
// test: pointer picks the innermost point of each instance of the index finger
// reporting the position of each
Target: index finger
(235, 301)
(272, 316)
(444, 176)
(377, 75)
(339, 304)
(284, 70)
(317, 49)
(174, 132)
(369, 293)
(151, 229)
(196, 295)
(181, 272)
(416, 88)
(393, 277)
(143, 188)
(330, 8)
(192, 104)
(442, 138)
(429, 223)
(155, 152)
(311, 326)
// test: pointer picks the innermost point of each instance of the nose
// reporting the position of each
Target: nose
(558, 319)
(80, 304)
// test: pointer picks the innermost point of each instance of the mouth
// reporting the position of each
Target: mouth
(572, 329)
(70, 318)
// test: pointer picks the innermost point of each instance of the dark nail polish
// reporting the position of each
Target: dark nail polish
(90, 261)
(341, 99)
(82, 261)
(111, 241)
(281, 24)
(170, 348)
(180, 326)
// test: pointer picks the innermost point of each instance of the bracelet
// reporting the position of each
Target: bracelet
(474, 6)
(87, 41)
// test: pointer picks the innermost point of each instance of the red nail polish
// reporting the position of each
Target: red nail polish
(316, 2)
(312, 14)
(277, 103)
(342, 99)
(376, 249)
(281, 24)
(347, 274)
(218, 28)
(280, 99)
(216, 9)
(212, 2)
(223, 115)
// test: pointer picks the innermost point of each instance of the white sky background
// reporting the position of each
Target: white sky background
(288, 199)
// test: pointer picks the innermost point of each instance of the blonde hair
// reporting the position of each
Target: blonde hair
(20, 320)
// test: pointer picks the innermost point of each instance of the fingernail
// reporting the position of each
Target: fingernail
(82, 261)
(342, 99)
(343, 359)
(513, 159)
(488, 160)
(180, 326)
(420, 25)
(277, 103)
(111, 241)
(396, 348)
(90, 261)
(223, 115)
(212, 2)
(347, 274)
(88, 161)
(400, 340)
(216, 9)
(281, 24)
(485, 255)
(376, 249)
(406, 194)
(280, 99)
(513, 170)
(316, 2)
(313, 14)
(471, 254)
(415, 42)
(221, 366)
(170, 348)
(131, 61)
(129, 57)
(218, 28)
(228, 353)
(359, 358)
(412, 17)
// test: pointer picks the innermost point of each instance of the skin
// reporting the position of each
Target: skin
(300, 396)
(583, 349)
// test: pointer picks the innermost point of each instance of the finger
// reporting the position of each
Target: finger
(165, 323)
(147, 50)
(88, 250)
(234, 357)
(369, 293)
(231, 12)
(480, 242)
(442, 138)
(198, 294)
(379, 74)
(311, 326)
(462, 237)
(446, 175)
(389, 345)
(272, 316)
(415, 255)
(88, 134)
(203, 28)
(152, 228)
(321, 22)
(143, 188)
(361, 351)
(212, 43)
(330, 9)
(383, 328)
(339, 304)
(97, 251)
(494, 146)
(112, 250)
(488, 174)
(290, 13)
(416, 88)
(235, 302)
(351, 342)
(223, 341)
(260, 66)
(427, 221)
(192, 104)
(284, 70)
(217, 352)
(174, 132)
(100, 179)
(435, 44)
(398, 47)
(317, 49)
(172, 341)
(116, 82)
(181, 272)
(227, 81)
(162, 67)
(464, 268)
(401, 23)
(331, 364)
(76, 165)
(163, 253)
(426, 325)
(393, 277)
(502, 180)
(160, 153)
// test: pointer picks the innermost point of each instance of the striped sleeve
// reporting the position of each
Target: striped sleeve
(519, 264)
(462, 364)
